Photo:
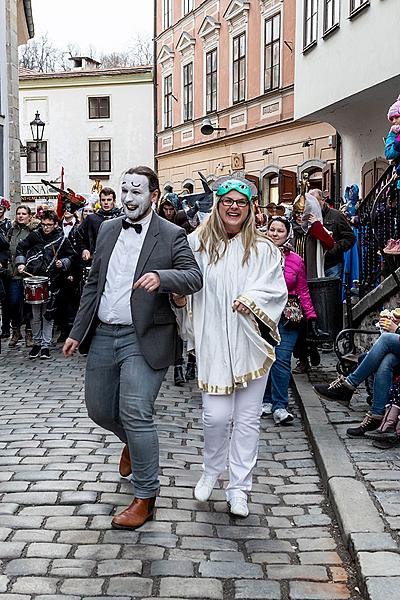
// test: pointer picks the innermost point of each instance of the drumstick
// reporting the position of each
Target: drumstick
(27, 273)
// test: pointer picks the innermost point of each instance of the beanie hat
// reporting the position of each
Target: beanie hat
(394, 110)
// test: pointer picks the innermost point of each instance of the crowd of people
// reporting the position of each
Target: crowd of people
(142, 287)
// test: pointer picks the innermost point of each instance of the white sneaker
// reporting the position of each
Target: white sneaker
(282, 416)
(238, 506)
(266, 409)
(204, 487)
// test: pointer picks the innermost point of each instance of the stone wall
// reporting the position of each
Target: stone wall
(13, 109)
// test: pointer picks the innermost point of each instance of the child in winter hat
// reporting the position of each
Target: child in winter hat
(392, 145)
(394, 116)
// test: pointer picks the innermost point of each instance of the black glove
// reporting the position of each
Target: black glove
(314, 333)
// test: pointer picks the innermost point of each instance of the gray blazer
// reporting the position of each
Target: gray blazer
(165, 251)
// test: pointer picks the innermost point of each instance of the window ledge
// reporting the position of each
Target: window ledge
(329, 31)
(309, 47)
(105, 175)
(358, 10)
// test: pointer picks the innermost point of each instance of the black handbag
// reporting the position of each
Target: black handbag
(292, 313)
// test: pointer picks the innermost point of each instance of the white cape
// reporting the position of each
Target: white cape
(228, 345)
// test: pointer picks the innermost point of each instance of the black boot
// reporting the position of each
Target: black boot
(190, 371)
(339, 390)
(369, 423)
(179, 379)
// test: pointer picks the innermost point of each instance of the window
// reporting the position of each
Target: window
(188, 92)
(272, 53)
(36, 160)
(211, 80)
(99, 108)
(239, 67)
(310, 22)
(331, 14)
(99, 156)
(168, 101)
(167, 21)
(356, 4)
(188, 5)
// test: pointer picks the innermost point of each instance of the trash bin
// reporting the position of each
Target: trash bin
(326, 294)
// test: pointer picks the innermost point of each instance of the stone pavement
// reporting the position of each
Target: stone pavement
(59, 485)
(363, 483)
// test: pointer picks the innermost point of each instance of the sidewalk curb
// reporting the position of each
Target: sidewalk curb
(375, 552)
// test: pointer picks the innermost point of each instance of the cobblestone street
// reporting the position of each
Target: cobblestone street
(59, 484)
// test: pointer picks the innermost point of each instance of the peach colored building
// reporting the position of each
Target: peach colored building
(232, 61)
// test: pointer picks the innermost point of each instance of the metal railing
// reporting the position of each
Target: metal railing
(379, 221)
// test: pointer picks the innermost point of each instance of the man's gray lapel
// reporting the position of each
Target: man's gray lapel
(149, 242)
(110, 242)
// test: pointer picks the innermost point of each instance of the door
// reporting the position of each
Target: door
(287, 183)
(370, 173)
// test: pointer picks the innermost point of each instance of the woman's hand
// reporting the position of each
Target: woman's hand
(59, 264)
(21, 268)
(388, 325)
(312, 218)
(240, 308)
(179, 300)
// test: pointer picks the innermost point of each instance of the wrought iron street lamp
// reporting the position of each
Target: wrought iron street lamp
(37, 129)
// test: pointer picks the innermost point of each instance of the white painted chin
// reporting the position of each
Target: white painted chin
(138, 212)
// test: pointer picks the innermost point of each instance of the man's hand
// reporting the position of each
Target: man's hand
(59, 264)
(70, 345)
(21, 268)
(241, 308)
(86, 255)
(150, 282)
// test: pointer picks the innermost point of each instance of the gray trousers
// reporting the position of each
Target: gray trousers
(120, 392)
(42, 329)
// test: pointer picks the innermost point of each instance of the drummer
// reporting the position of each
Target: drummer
(45, 252)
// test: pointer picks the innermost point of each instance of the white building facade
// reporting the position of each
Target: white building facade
(98, 123)
(347, 74)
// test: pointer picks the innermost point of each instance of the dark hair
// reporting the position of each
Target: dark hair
(25, 207)
(51, 215)
(107, 191)
(279, 219)
(154, 184)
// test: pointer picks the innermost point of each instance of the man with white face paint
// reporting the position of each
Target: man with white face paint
(126, 324)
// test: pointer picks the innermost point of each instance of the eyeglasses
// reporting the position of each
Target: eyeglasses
(279, 218)
(47, 225)
(229, 202)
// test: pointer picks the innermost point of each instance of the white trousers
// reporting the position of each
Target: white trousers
(243, 410)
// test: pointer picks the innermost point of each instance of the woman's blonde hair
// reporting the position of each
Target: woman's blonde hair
(214, 239)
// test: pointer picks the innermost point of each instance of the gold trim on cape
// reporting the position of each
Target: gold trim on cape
(261, 315)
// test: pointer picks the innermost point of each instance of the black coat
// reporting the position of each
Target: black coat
(89, 229)
(39, 252)
(336, 223)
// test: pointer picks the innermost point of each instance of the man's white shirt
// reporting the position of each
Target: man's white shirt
(115, 302)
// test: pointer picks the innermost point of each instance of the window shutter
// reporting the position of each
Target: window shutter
(328, 180)
(287, 186)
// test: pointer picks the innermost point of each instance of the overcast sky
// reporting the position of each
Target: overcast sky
(106, 25)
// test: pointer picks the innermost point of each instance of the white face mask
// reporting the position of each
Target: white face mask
(135, 196)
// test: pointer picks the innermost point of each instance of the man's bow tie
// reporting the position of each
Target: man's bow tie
(136, 226)
(67, 224)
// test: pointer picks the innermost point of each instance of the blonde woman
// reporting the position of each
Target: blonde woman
(232, 324)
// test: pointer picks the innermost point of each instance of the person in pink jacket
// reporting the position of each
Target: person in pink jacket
(276, 392)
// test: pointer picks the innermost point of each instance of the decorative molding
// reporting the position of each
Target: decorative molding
(166, 140)
(271, 109)
(313, 163)
(237, 9)
(187, 134)
(238, 119)
(268, 171)
(186, 42)
(165, 54)
(209, 26)
(267, 6)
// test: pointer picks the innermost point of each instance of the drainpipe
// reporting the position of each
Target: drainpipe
(155, 111)
(338, 172)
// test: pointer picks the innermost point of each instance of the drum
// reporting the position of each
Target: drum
(36, 290)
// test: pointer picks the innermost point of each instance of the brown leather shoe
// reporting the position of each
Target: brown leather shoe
(140, 511)
(125, 467)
